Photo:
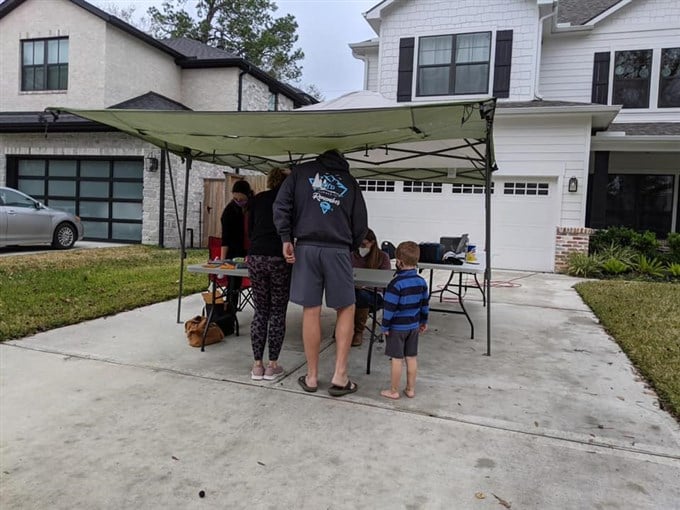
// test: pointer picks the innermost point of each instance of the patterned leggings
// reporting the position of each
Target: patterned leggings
(270, 280)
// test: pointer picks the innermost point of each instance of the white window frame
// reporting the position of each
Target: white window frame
(376, 186)
(431, 188)
(654, 78)
(526, 188)
(470, 30)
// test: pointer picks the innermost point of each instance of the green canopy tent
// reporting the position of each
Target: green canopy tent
(436, 142)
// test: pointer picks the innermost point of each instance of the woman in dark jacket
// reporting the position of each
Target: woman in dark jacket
(234, 243)
(270, 280)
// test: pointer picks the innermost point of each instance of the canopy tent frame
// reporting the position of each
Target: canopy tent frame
(422, 125)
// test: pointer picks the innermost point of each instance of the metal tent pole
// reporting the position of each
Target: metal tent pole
(487, 196)
(183, 236)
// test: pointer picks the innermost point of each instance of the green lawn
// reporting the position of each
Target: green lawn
(49, 290)
(644, 318)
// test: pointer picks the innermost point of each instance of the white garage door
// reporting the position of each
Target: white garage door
(524, 217)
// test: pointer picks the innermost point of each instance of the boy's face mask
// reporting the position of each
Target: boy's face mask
(241, 203)
(363, 251)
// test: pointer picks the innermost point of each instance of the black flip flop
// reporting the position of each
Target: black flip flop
(302, 381)
(339, 391)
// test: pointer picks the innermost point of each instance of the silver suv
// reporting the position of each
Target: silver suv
(24, 221)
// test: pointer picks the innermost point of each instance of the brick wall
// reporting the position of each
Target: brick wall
(570, 240)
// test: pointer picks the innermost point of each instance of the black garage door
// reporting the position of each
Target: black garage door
(106, 193)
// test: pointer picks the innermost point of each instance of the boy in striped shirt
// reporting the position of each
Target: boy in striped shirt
(405, 314)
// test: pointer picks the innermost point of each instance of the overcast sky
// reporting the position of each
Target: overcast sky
(325, 28)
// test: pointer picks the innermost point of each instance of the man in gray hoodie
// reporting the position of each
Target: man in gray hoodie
(321, 217)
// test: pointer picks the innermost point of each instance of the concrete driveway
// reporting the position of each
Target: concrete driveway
(121, 413)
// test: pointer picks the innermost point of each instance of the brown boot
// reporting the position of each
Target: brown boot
(360, 318)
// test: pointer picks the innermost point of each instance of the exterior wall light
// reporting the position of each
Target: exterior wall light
(573, 185)
(152, 165)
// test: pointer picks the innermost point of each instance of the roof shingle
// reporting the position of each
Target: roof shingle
(196, 49)
(579, 12)
(646, 128)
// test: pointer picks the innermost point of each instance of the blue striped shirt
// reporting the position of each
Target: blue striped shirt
(406, 302)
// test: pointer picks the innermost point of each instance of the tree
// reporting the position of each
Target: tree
(127, 14)
(315, 92)
(244, 27)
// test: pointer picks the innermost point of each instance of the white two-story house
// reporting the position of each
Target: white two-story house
(587, 129)
(72, 54)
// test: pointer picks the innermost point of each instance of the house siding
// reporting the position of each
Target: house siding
(423, 18)
(255, 94)
(150, 69)
(567, 58)
(210, 89)
(372, 74)
(547, 147)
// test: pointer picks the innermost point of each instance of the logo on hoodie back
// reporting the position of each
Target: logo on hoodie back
(328, 190)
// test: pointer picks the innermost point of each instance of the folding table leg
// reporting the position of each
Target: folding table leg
(481, 289)
(460, 300)
(373, 323)
(210, 314)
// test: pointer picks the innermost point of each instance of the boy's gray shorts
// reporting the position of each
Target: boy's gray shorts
(321, 267)
(400, 344)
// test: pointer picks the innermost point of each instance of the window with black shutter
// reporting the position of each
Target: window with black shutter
(454, 64)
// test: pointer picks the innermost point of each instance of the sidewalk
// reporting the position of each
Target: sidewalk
(120, 413)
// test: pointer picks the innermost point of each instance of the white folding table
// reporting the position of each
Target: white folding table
(457, 289)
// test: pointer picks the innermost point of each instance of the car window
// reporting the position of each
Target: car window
(14, 199)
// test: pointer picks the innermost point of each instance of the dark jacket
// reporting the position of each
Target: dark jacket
(264, 240)
(233, 230)
(320, 203)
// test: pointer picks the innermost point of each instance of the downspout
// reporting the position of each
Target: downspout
(364, 59)
(240, 99)
(240, 89)
(539, 46)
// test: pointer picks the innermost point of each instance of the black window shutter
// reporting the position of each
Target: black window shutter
(600, 78)
(502, 64)
(405, 71)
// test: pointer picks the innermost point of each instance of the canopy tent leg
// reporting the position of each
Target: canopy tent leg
(183, 236)
(487, 200)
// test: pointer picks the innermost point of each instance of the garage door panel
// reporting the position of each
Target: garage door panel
(106, 192)
(523, 226)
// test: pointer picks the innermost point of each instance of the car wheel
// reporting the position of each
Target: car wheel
(64, 236)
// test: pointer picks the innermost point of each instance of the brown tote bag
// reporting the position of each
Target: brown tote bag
(194, 329)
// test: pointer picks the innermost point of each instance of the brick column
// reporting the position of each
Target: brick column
(569, 240)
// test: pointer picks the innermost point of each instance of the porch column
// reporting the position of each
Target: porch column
(598, 190)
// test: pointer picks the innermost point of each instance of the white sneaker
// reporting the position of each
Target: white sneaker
(271, 373)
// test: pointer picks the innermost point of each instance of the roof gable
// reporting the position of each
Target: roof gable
(9, 5)
(150, 101)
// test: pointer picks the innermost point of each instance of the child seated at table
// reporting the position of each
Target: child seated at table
(405, 313)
